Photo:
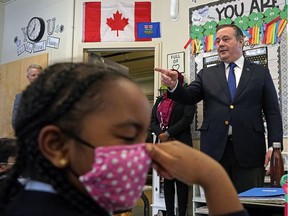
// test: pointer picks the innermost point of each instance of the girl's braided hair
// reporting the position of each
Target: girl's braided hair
(62, 95)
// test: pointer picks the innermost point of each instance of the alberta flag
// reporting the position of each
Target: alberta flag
(114, 20)
(148, 29)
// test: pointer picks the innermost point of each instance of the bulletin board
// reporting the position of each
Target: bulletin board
(264, 24)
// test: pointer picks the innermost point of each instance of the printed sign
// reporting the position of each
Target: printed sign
(53, 42)
(176, 61)
(40, 46)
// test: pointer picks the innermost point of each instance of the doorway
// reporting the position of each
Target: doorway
(138, 63)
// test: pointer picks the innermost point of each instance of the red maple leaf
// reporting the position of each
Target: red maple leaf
(118, 23)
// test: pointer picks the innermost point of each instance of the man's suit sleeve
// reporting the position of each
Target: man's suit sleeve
(271, 111)
(191, 94)
(15, 109)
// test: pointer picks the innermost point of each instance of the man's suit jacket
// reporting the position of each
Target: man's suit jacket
(15, 108)
(255, 93)
(179, 123)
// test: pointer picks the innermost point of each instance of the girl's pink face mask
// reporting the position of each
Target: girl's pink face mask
(118, 176)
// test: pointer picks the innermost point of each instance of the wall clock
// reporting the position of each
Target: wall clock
(35, 29)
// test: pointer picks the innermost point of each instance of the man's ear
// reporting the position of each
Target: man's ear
(54, 145)
(241, 41)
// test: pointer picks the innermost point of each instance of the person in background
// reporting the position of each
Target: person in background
(80, 131)
(171, 120)
(235, 94)
(175, 160)
(8, 152)
(33, 71)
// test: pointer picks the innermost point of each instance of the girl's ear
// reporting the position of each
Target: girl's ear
(54, 145)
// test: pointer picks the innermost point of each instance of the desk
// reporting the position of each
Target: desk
(260, 207)
(263, 209)
(263, 201)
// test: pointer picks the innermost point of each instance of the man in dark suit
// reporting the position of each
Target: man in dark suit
(233, 129)
(33, 71)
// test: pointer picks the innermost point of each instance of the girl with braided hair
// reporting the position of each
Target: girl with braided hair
(75, 128)
(80, 130)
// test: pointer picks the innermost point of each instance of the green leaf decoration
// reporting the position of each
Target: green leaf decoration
(210, 28)
(255, 19)
(271, 14)
(196, 32)
(242, 22)
(284, 12)
(225, 21)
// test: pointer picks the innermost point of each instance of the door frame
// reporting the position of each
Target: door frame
(129, 46)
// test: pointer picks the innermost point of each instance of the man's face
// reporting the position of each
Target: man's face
(228, 47)
(33, 74)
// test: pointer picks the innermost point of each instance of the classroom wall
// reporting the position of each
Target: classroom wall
(2, 15)
(17, 15)
(13, 80)
(49, 9)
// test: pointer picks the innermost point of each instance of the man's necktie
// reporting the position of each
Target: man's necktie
(232, 80)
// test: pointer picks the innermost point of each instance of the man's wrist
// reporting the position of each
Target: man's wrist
(172, 90)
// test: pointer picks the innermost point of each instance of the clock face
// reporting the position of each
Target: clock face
(35, 29)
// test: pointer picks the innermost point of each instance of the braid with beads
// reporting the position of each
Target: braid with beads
(61, 95)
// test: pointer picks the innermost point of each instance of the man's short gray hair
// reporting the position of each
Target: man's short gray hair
(36, 66)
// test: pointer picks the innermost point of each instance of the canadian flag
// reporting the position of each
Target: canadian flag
(114, 20)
